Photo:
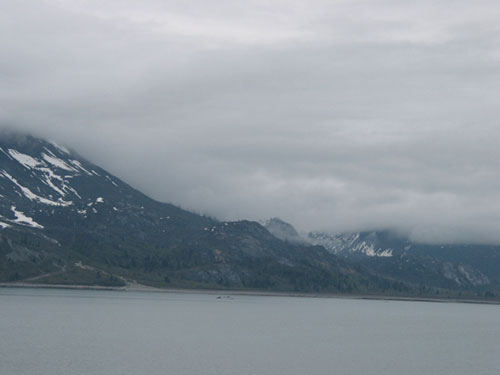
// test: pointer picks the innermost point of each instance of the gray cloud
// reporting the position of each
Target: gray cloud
(338, 116)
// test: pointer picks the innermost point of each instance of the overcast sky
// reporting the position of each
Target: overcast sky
(333, 115)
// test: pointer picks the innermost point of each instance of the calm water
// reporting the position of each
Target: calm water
(51, 332)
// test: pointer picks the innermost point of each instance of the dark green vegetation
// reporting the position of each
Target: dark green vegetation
(66, 221)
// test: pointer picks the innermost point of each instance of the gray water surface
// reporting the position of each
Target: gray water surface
(52, 332)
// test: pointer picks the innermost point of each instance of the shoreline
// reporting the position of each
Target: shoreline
(218, 292)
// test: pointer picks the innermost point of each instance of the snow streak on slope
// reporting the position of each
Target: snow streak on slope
(21, 218)
(58, 163)
(32, 196)
(4, 225)
(348, 243)
(79, 165)
(26, 160)
(46, 168)
(40, 181)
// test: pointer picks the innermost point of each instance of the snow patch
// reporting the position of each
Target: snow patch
(99, 200)
(4, 225)
(79, 165)
(110, 180)
(64, 203)
(10, 157)
(58, 163)
(25, 160)
(22, 219)
(51, 174)
(48, 181)
(386, 253)
(32, 196)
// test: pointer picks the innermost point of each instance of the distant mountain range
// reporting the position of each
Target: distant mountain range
(396, 257)
(64, 220)
(463, 268)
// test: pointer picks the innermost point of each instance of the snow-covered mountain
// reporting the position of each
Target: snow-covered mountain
(40, 178)
(65, 220)
(394, 256)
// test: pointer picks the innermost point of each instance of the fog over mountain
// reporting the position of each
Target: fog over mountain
(336, 116)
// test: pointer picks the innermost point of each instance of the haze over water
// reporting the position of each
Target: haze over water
(51, 332)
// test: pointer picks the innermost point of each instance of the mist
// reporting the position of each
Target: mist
(337, 116)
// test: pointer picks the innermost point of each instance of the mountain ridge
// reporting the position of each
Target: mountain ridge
(391, 255)
(395, 256)
(66, 220)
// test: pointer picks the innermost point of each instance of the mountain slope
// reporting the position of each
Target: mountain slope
(65, 220)
(284, 231)
(450, 266)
